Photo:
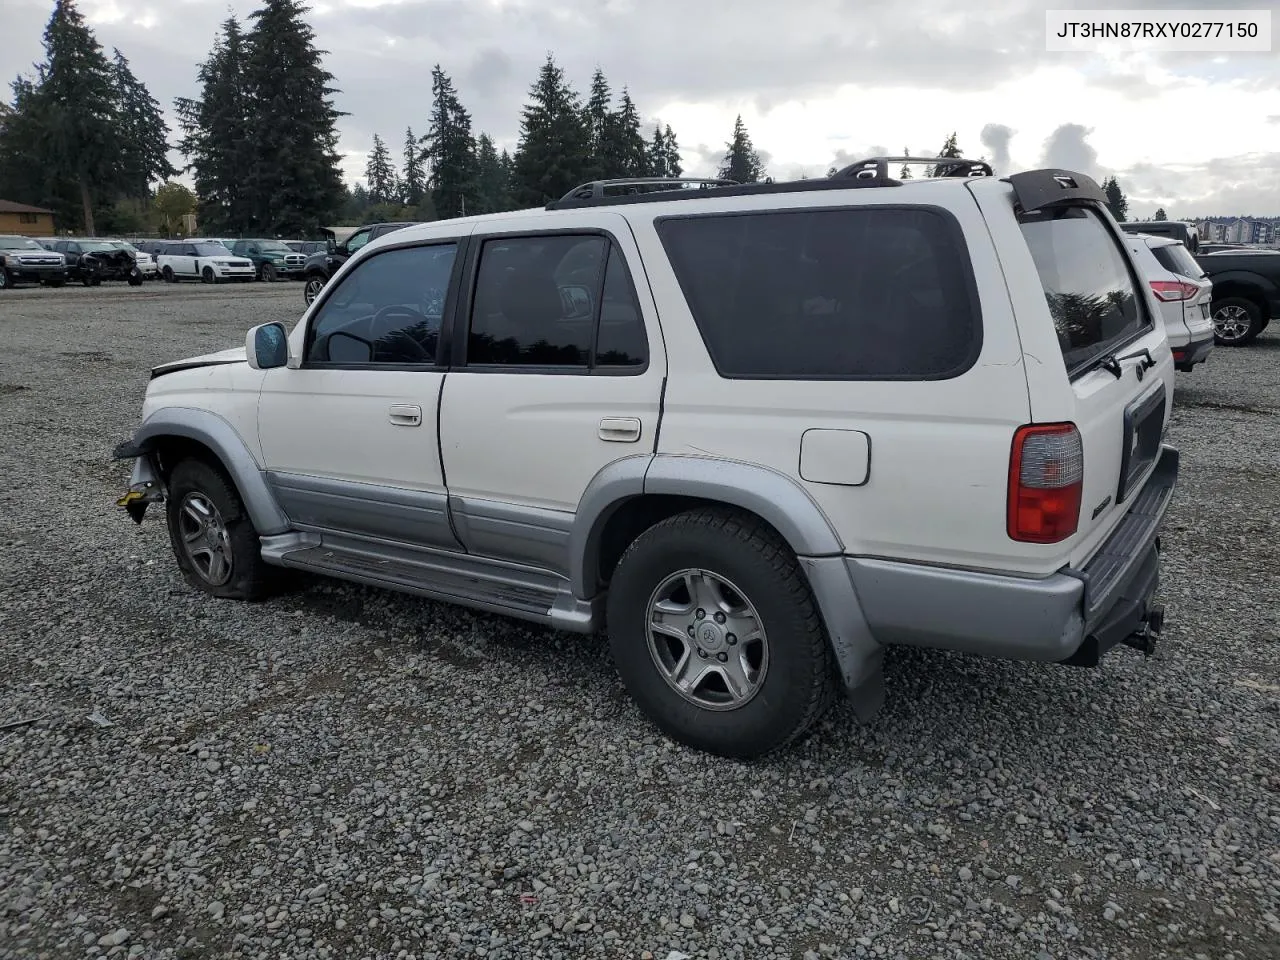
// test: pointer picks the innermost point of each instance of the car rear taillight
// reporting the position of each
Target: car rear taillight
(1174, 289)
(1046, 478)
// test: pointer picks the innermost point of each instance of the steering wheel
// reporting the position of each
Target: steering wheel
(400, 337)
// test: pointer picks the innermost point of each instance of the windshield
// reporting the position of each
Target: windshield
(211, 250)
(18, 243)
(270, 246)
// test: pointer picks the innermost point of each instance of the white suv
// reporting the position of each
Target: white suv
(754, 432)
(1185, 295)
(205, 260)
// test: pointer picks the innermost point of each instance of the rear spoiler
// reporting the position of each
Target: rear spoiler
(1044, 189)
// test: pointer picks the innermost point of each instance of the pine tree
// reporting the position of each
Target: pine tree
(741, 163)
(905, 172)
(414, 181)
(949, 149)
(493, 187)
(1161, 215)
(554, 153)
(598, 117)
(657, 153)
(379, 173)
(450, 150)
(1116, 202)
(623, 152)
(216, 135)
(23, 177)
(293, 181)
(672, 153)
(75, 97)
(144, 134)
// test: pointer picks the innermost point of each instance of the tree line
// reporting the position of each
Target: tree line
(86, 138)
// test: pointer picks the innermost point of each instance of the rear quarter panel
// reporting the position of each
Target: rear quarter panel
(938, 475)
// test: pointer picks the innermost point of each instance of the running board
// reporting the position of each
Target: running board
(538, 596)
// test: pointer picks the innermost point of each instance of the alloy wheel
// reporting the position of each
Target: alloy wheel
(205, 539)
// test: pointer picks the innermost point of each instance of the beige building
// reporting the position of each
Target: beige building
(25, 220)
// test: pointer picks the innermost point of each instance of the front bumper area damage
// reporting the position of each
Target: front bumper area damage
(145, 483)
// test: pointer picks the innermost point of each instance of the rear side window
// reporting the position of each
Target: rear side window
(1176, 259)
(859, 294)
(1087, 284)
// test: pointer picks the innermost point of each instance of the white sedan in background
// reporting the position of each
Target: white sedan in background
(204, 261)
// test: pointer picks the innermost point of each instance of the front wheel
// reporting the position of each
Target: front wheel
(267, 273)
(312, 289)
(214, 541)
(1236, 321)
(716, 635)
(5, 280)
(135, 279)
(167, 275)
(206, 275)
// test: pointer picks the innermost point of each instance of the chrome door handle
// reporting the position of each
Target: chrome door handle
(405, 414)
(620, 429)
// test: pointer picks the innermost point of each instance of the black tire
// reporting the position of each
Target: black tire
(1236, 321)
(249, 577)
(311, 289)
(267, 273)
(135, 279)
(207, 276)
(87, 280)
(6, 281)
(167, 275)
(799, 683)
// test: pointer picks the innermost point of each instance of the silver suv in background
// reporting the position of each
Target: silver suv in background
(23, 259)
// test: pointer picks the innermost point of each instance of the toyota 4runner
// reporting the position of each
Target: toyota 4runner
(755, 433)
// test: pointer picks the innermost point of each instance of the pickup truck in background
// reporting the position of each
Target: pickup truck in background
(320, 266)
(1246, 292)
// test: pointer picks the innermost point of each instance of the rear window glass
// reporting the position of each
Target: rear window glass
(829, 294)
(1176, 259)
(1086, 281)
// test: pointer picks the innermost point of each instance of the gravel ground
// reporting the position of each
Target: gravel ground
(345, 772)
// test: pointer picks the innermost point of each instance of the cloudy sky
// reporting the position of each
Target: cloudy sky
(816, 81)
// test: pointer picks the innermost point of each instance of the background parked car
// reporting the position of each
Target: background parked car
(92, 260)
(1184, 294)
(306, 247)
(321, 266)
(204, 261)
(1246, 292)
(146, 262)
(21, 258)
(271, 258)
(1188, 234)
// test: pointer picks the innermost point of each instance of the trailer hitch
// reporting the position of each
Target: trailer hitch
(1146, 638)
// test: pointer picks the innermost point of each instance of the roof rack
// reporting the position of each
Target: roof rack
(633, 185)
(877, 168)
(872, 172)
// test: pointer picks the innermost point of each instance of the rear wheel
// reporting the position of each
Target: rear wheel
(1236, 321)
(716, 635)
(213, 539)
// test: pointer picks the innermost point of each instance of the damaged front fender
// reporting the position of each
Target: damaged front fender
(145, 487)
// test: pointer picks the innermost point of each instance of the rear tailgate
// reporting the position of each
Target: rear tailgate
(1096, 354)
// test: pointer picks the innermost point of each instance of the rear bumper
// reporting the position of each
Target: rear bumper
(1071, 616)
(1196, 351)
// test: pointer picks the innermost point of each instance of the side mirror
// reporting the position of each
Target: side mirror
(330, 246)
(267, 346)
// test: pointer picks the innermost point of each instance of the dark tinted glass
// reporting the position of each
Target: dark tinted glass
(387, 310)
(1086, 283)
(856, 293)
(1177, 259)
(535, 301)
(621, 339)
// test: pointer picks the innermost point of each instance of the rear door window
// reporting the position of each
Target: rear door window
(851, 294)
(1177, 259)
(1088, 284)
